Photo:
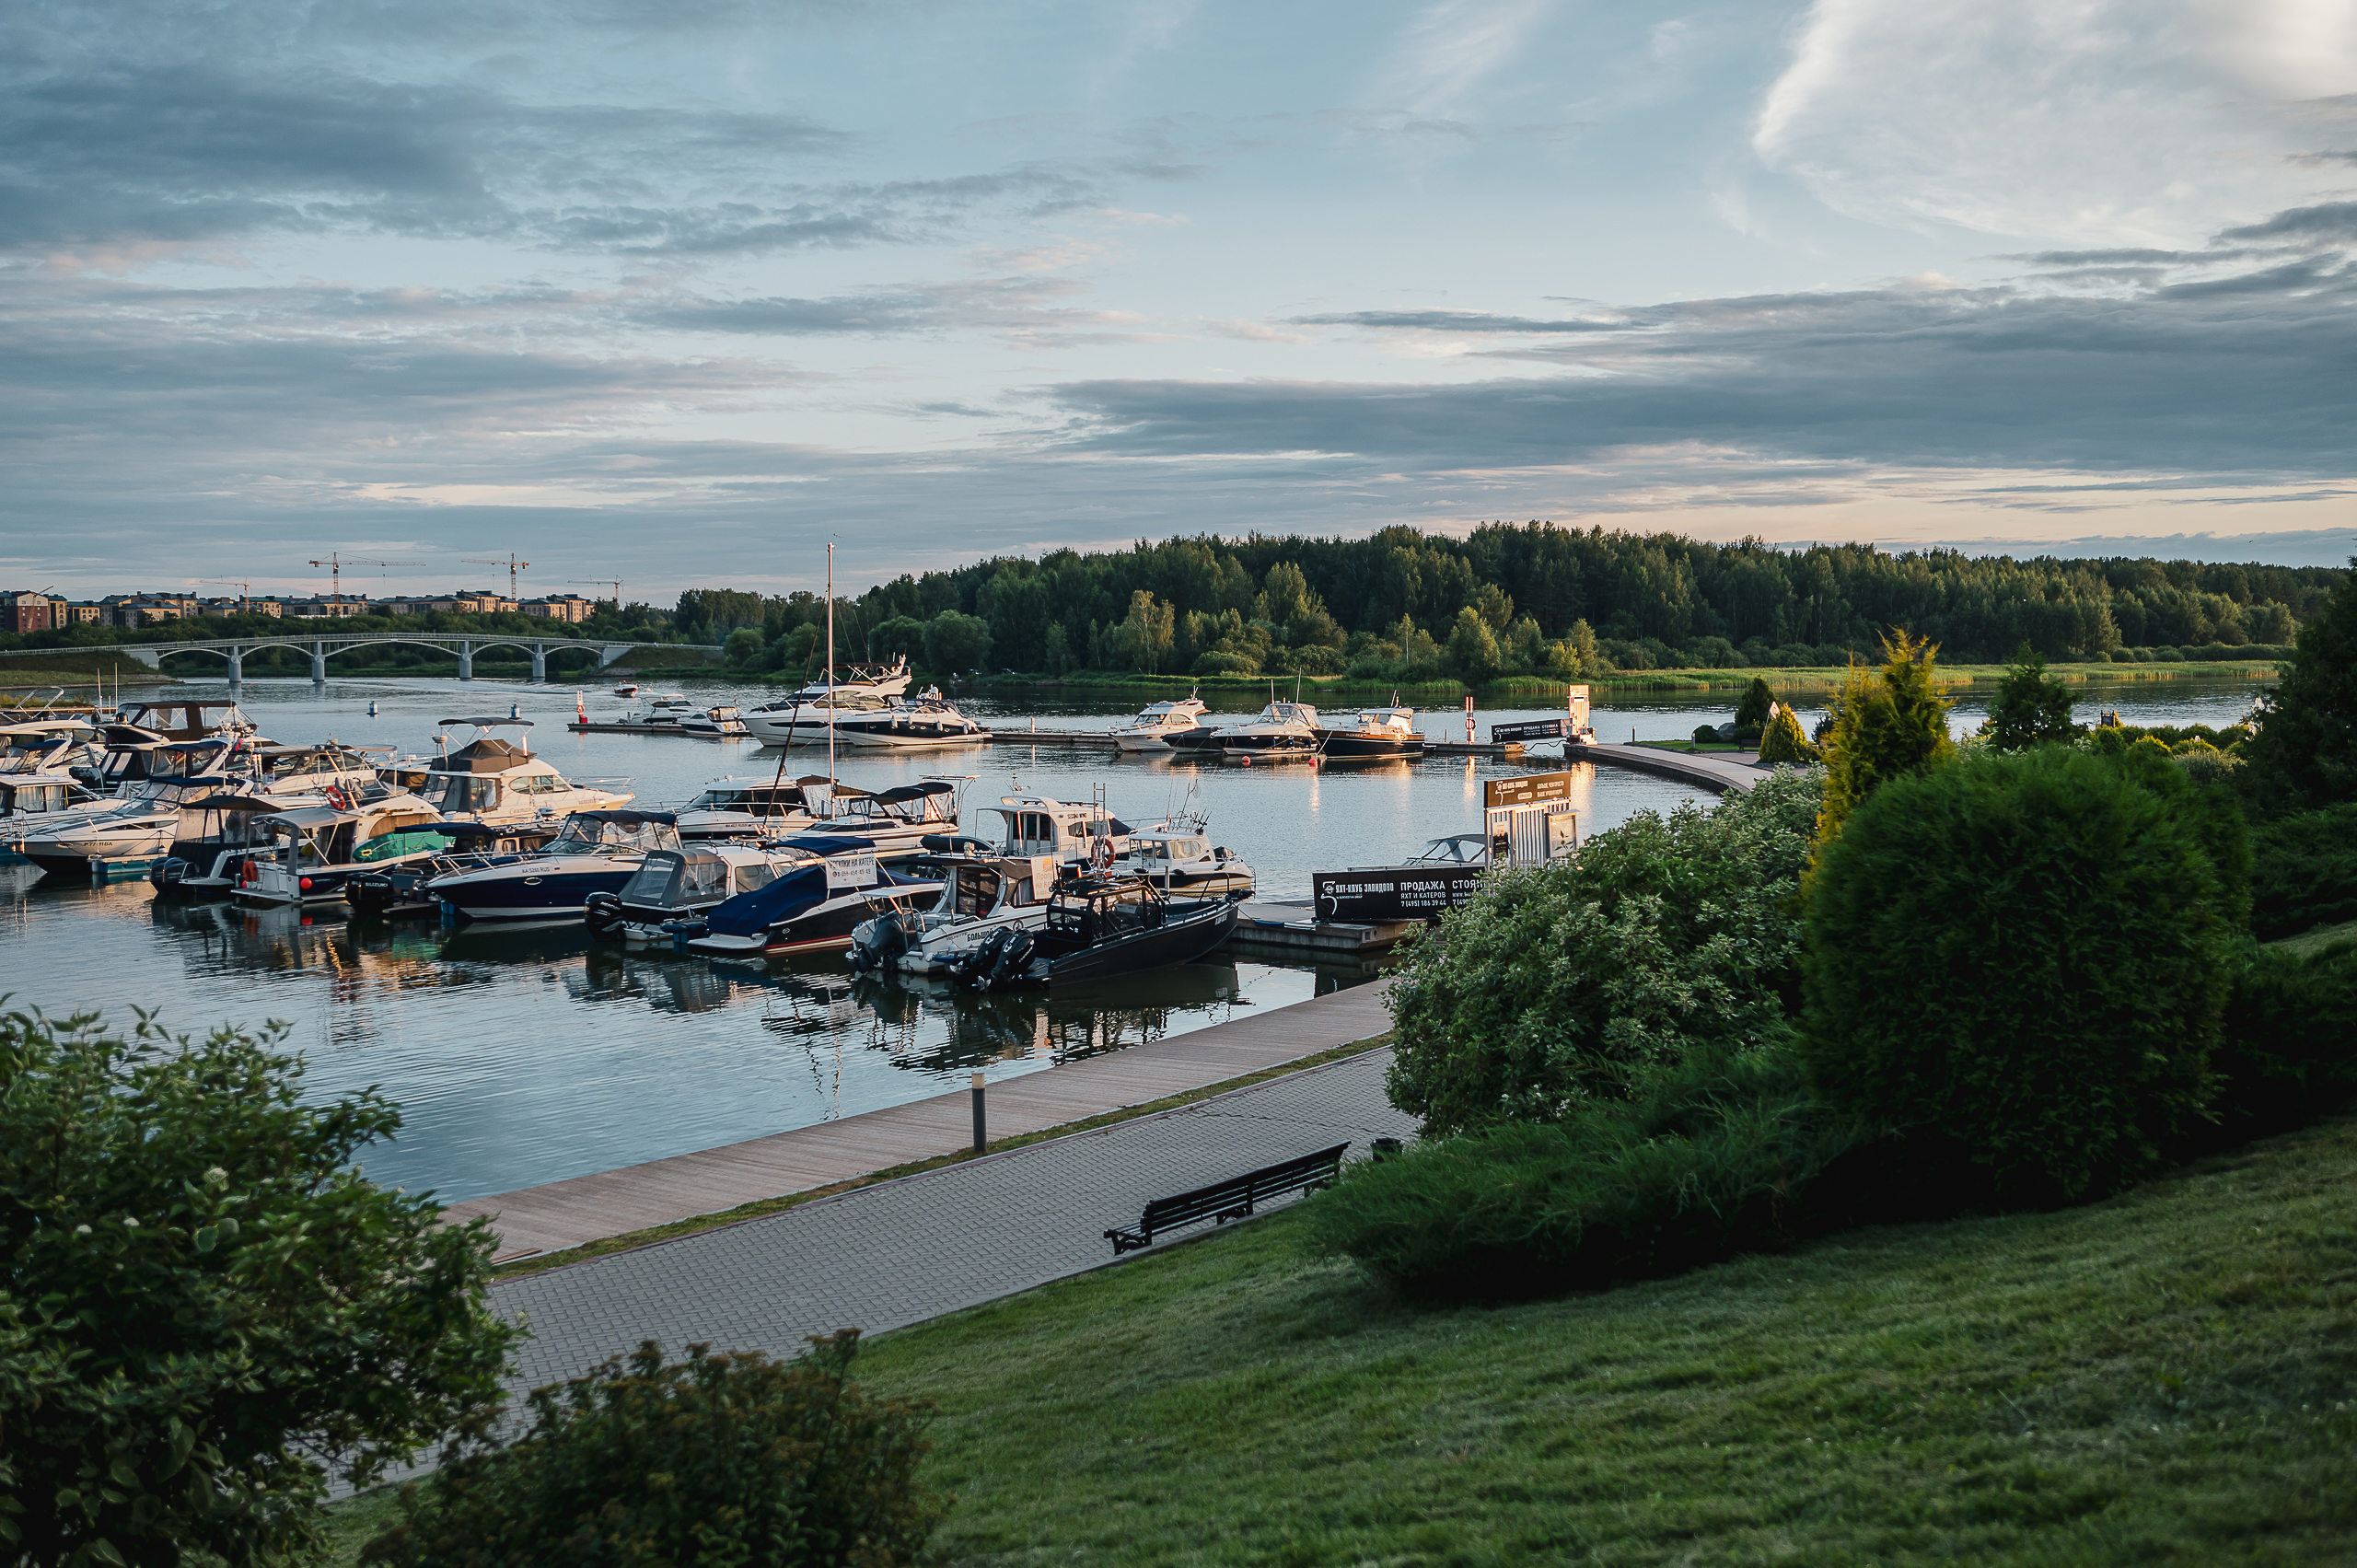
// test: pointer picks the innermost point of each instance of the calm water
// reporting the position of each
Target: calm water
(525, 1057)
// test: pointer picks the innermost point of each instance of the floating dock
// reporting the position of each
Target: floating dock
(1104, 737)
(1289, 927)
(591, 726)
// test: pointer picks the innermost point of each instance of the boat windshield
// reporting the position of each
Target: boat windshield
(454, 793)
(585, 834)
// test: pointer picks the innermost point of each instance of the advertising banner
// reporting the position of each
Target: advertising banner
(846, 872)
(1392, 892)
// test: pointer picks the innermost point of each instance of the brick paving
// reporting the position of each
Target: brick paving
(902, 1251)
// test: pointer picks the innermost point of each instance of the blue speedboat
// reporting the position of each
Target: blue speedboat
(596, 852)
(812, 907)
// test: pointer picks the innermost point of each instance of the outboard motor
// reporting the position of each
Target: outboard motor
(603, 913)
(876, 944)
(1012, 960)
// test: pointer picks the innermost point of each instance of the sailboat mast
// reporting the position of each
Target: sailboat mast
(831, 667)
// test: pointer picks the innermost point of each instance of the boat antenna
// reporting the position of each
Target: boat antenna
(831, 667)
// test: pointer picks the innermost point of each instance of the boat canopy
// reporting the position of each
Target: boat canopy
(628, 818)
(485, 723)
(829, 844)
(488, 755)
(914, 792)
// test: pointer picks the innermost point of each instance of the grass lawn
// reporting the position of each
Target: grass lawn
(2167, 1378)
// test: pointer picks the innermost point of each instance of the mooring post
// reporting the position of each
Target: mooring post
(981, 1139)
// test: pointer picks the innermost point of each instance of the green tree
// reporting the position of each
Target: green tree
(1783, 741)
(2020, 964)
(715, 1459)
(1145, 636)
(1057, 649)
(1887, 724)
(206, 1309)
(1752, 712)
(800, 646)
(901, 635)
(2305, 751)
(2029, 707)
(744, 645)
(1494, 606)
(954, 642)
(1584, 658)
(1473, 649)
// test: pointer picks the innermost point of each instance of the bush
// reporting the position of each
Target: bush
(1783, 742)
(1752, 712)
(1564, 982)
(2020, 963)
(2304, 872)
(954, 642)
(2290, 1051)
(2304, 754)
(1884, 725)
(719, 1458)
(1706, 735)
(1710, 1161)
(206, 1307)
(2028, 709)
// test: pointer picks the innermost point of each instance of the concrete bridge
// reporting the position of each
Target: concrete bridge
(323, 646)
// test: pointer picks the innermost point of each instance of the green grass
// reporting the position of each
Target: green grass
(2322, 936)
(1696, 746)
(2166, 1377)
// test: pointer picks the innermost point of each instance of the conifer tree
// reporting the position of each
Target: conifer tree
(1887, 723)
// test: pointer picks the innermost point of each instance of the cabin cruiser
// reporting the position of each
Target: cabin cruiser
(1157, 722)
(735, 809)
(169, 720)
(927, 724)
(813, 907)
(661, 709)
(1282, 727)
(801, 717)
(492, 780)
(30, 801)
(719, 722)
(44, 746)
(894, 822)
(981, 895)
(144, 821)
(673, 889)
(314, 851)
(1100, 928)
(1072, 831)
(597, 853)
(466, 846)
(1379, 733)
(1177, 857)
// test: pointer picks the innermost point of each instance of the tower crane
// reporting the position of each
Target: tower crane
(335, 563)
(245, 589)
(614, 582)
(512, 565)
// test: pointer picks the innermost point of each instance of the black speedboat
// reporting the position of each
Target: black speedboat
(1379, 733)
(1281, 729)
(401, 889)
(1100, 928)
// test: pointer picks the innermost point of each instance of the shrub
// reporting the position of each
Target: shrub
(2305, 751)
(2303, 871)
(2290, 1048)
(719, 1458)
(2028, 709)
(1783, 742)
(1707, 1162)
(1752, 712)
(1706, 735)
(205, 1307)
(1885, 724)
(2023, 958)
(1562, 982)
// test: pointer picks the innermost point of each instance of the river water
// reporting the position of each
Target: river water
(520, 1057)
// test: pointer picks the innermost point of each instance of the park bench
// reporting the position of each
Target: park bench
(1230, 1200)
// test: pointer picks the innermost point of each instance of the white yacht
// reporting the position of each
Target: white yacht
(981, 895)
(142, 822)
(1177, 856)
(801, 717)
(757, 808)
(1157, 722)
(1071, 830)
(315, 850)
(929, 723)
(492, 780)
(719, 722)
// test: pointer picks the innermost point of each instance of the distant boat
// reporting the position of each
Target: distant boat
(801, 717)
(928, 724)
(1157, 722)
(1379, 733)
(1281, 729)
(627, 689)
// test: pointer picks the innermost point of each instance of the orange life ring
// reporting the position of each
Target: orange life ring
(1103, 854)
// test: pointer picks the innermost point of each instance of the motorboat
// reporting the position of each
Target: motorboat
(801, 716)
(658, 711)
(30, 801)
(894, 822)
(492, 780)
(812, 908)
(1100, 928)
(627, 690)
(1379, 733)
(41, 746)
(1178, 857)
(1157, 722)
(981, 895)
(673, 889)
(316, 850)
(597, 853)
(397, 890)
(1074, 832)
(733, 809)
(142, 823)
(929, 723)
(1281, 729)
(719, 722)
(175, 720)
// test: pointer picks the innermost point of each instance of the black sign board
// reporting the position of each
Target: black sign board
(1526, 789)
(1542, 729)
(1395, 892)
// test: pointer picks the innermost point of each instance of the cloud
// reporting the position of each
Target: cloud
(1454, 321)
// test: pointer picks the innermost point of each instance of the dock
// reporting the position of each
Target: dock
(1712, 772)
(567, 1213)
(1105, 737)
(1290, 928)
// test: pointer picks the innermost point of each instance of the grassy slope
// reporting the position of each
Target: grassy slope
(2166, 1377)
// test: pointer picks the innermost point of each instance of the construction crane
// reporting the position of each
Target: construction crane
(512, 565)
(335, 563)
(245, 589)
(614, 582)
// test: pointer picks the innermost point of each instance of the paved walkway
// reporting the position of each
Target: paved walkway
(1709, 771)
(902, 1251)
(614, 1202)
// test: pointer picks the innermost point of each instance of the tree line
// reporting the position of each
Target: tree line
(1509, 598)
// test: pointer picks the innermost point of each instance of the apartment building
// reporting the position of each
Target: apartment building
(28, 611)
(571, 608)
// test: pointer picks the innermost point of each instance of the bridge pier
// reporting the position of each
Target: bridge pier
(237, 668)
(466, 660)
(319, 664)
(539, 664)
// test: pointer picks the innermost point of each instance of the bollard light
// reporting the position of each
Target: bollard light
(981, 1139)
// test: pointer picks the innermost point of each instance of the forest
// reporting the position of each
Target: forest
(1508, 598)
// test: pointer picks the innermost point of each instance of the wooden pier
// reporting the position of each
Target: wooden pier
(590, 1208)
(1289, 927)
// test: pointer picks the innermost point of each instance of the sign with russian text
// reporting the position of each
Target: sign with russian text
(1528, 789)
(846, 872)
(1538, 729)
(1393, 892)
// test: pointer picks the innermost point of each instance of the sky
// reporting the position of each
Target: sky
(676, 292)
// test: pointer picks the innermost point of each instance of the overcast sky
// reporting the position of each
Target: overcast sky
(674, 291)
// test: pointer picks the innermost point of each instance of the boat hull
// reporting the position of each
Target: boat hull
(1346, 746)
(521, 892)
(1173, 942)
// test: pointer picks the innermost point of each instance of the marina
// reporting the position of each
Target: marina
(529, 1052)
